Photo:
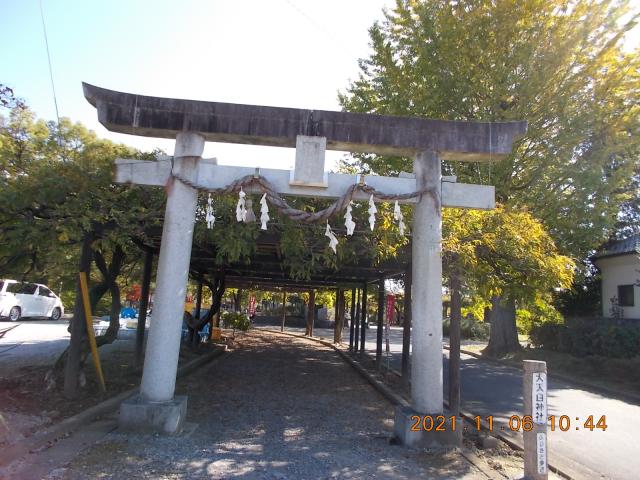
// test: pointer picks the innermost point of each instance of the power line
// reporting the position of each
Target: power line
(331, 36)
(53, 87)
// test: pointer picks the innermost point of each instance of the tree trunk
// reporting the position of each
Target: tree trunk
(237, 301)
(74, 356)
(217, 288)
(311, 313)
(77, 328)
(110, 276)
(503, 337)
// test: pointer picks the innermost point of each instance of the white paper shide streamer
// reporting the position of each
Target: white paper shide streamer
(397, 215)
(348, 220)
(333, 240)
(264, 212)
(209, 216)
(241, 209)
(372, 213)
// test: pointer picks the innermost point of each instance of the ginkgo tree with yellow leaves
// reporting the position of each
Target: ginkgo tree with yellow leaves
(507, 258)
(560, 65)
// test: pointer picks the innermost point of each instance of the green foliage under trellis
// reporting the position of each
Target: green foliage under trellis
(236, 321)
(303, 248)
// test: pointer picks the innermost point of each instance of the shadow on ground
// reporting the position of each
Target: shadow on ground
(276, 408)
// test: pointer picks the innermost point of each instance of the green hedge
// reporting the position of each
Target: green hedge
(582, 340)
(469, 328)
(236, 320)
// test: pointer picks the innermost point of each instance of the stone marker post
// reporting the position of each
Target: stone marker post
(535, 405)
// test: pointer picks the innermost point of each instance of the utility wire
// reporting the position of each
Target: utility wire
(53, 87)
(331, 36)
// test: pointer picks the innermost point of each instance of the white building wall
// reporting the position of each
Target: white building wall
(620, 270)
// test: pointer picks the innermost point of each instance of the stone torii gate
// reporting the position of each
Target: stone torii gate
(192, 123)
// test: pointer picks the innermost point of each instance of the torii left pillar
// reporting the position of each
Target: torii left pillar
(156, 409)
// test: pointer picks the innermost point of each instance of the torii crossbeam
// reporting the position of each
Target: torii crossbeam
(192, 123)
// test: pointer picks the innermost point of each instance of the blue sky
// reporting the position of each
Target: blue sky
(293, 53)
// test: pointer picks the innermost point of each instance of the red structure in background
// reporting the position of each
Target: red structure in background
(391, 302)
(133, 293)
(252, 305)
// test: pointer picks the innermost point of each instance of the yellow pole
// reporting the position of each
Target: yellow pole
(90, 333)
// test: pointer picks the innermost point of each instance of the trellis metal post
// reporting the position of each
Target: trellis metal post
(363, 326)
(339, 309)
(406, 328)
(352, 318)
(144, 304)
(356, 337)
(195, 340)
(381, 306)
(284, 309)
(454, 343)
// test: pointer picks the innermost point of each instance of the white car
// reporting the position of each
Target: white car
(23, 299)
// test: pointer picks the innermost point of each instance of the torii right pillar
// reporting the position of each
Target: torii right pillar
(426, 298)
(412, 426)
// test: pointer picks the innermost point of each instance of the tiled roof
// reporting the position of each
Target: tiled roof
(620, 247)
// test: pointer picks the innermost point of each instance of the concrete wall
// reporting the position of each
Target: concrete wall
(620, 270)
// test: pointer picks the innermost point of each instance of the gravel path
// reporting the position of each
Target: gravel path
(275, 408)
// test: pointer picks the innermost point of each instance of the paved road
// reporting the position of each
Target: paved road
(40, 342)
(490, 389)
(31, 343)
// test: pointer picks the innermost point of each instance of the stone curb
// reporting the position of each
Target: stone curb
(628, 396)
(68, 425)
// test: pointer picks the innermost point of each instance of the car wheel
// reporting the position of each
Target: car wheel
(56, 314)
(14, 314)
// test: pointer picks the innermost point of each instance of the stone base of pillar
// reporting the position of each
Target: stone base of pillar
(420, 438)
(139, 415)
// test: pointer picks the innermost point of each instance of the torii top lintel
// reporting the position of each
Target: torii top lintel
(277, 126)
